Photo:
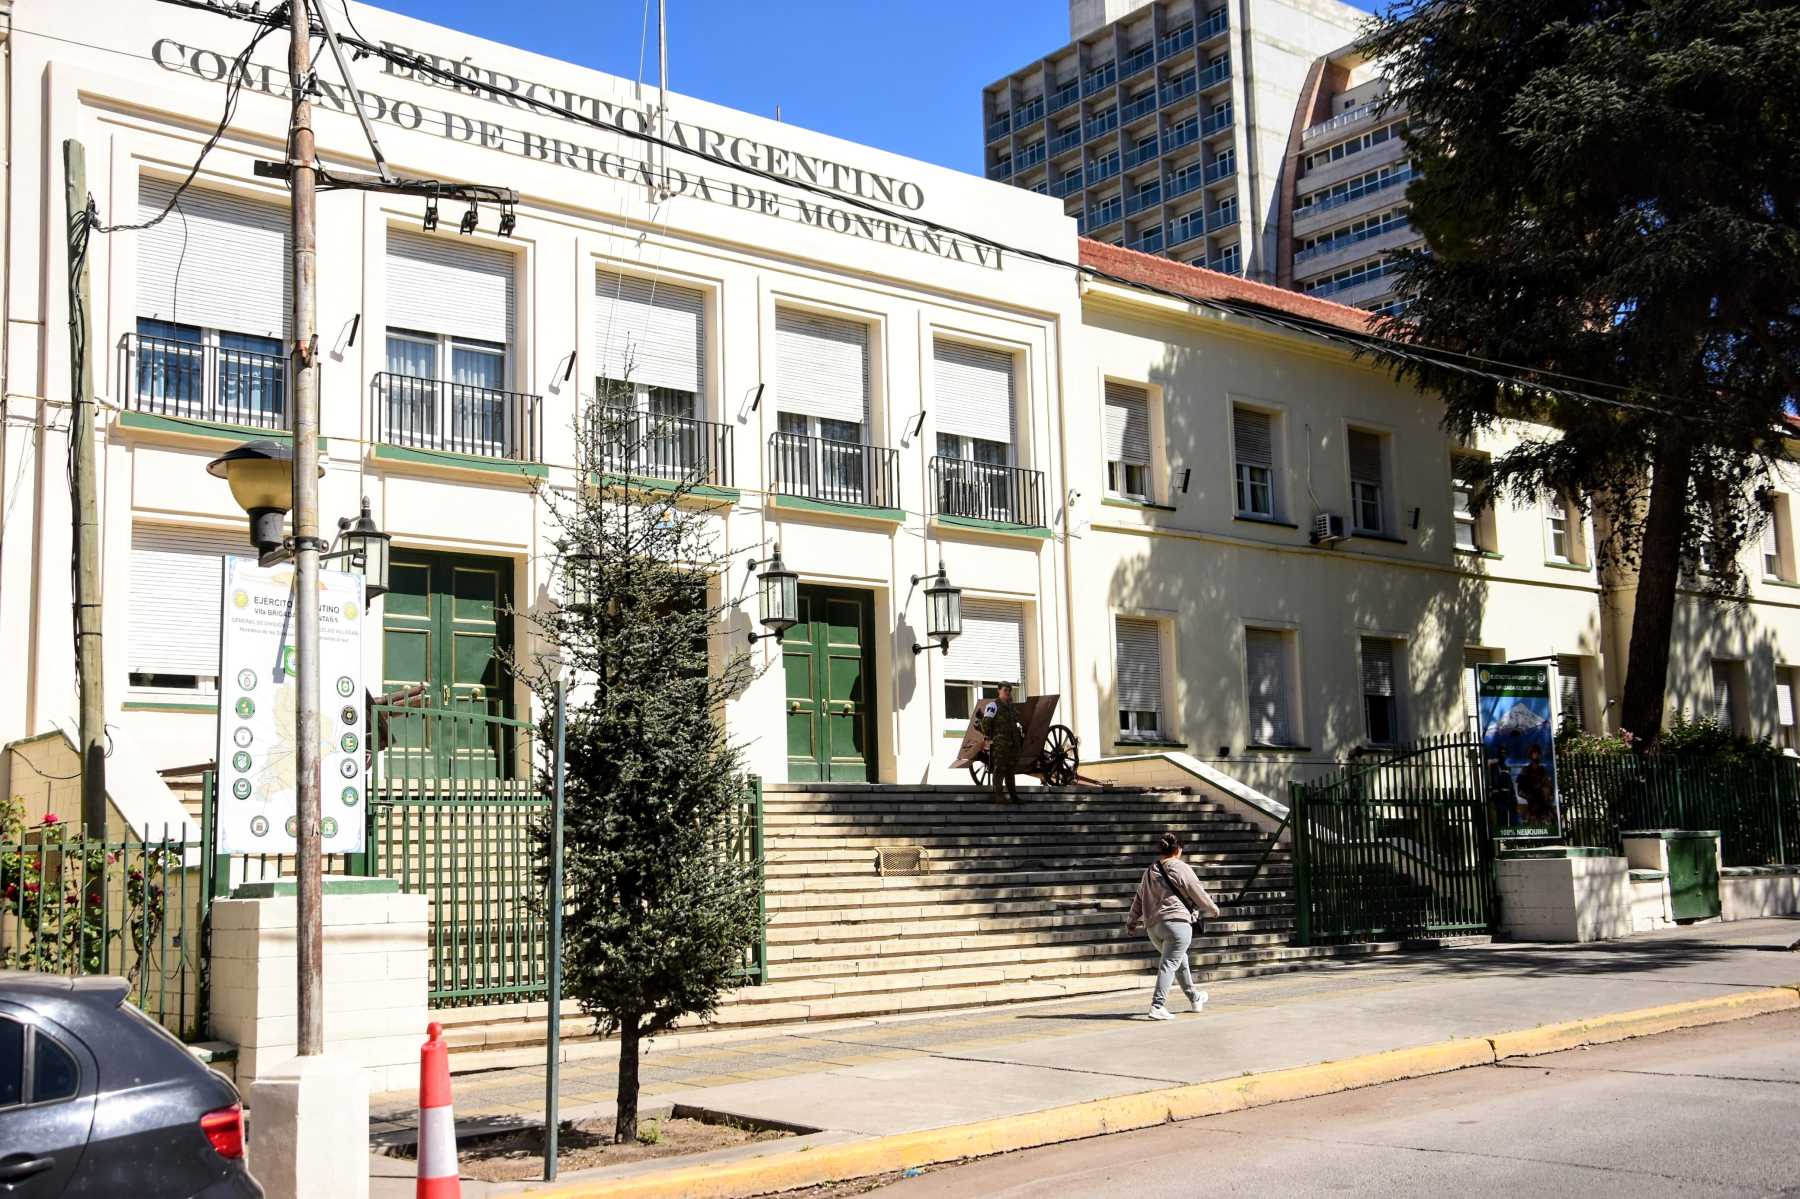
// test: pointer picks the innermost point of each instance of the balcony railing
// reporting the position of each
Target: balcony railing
(1185, 229)
(1065, 95)
(1030, 113)
(1007, 494)
(430, 414)
(1141, 153)
(1137, 60)
(1221, 168)
(1030, 156)
(1346, 240)
(1221, 217)
(1066, 186)
(1380, 270)
(838, 472)
(1216, 121)
(1230, 264)
(656, 446)
(1001, 170)
(1182, 134)
(1349, 117)
(1215, 24)
(1000, 128)
(1328, 202)
(1148, 197)
(205, 382)
(1064, 142)
(1105, 123)
(1175, 41)
(1149, 243)
(1105, 169)
(1184, 86)
(1101, 79)
(1105, 214)
(1139, 106)
(1217, 73)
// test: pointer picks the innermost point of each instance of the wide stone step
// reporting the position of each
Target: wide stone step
(815, 908)
(990, 816)
(1096, 907)
(1212, 876)
(975, 952)
(858, 933)
(815, 865)
(789, 849)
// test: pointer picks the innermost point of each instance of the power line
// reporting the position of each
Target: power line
(1526, 376)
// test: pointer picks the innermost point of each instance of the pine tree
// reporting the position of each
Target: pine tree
(660, 904)
(1611, 191)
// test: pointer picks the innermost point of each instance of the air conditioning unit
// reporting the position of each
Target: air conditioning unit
(1327, 528)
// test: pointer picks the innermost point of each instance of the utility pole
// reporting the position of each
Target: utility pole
(309, 884)
(89, 669)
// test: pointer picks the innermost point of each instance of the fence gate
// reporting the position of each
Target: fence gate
(1401, 847)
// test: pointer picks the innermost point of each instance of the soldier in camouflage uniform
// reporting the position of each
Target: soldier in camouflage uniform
(1000, 724)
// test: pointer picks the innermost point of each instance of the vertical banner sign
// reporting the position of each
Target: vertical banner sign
(1518, 748)
(256, 777)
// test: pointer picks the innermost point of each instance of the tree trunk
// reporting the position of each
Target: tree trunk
(625, 1124)
(1659, 572)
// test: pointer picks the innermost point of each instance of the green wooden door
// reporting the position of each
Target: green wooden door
(444, 627)
(829, 662)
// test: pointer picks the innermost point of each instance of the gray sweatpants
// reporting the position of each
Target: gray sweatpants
(1171, 941)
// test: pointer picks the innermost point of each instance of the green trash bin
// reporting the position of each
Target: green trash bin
(1693, 865)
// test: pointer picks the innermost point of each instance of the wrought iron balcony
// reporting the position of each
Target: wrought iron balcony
(838, 472)
(204, 381)
(1007, 494)
(459, 418)
(657, 446)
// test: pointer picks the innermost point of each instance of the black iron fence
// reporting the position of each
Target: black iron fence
(204, 381)
(657, 446)
(430, 414)
(1753, 803)
(984, 491)
(840, 472)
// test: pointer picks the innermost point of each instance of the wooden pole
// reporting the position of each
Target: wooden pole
(89, 662)
(309, 884)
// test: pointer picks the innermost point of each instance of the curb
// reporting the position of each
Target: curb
(782, 1171)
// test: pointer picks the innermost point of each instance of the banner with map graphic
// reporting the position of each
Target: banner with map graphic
(256, 792)
(1518, 748)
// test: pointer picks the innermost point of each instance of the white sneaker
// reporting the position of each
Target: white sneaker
(1159, 1012)
(1198, 999)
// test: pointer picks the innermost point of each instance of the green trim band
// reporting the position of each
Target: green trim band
(1378, 537)
(1277, 749)
(498, 466)
(803, 503)
(1128, 746)
(157, 705)
(194, 427)
(1490, 555)
(1265, 520)
(332, 886)
(649, 483)
(1116, 501)
(1566, 566)
(1774, 582)
(993, 526)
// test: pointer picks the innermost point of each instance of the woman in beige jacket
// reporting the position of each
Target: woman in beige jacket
(1168, 899)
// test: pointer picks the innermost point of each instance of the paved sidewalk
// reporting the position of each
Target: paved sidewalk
(906, 1075)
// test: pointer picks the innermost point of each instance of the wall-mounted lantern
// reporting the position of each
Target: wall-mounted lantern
(943, 611)
(779, 596)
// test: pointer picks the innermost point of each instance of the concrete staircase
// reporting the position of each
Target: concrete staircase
(1012, 904)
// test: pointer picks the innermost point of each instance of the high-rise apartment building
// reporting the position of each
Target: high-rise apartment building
(1343, 209)
(1163, 124)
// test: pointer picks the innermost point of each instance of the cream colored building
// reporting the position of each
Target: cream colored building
(947, 402)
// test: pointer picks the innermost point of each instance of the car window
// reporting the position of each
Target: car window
(53, 1072)
(12, 1061)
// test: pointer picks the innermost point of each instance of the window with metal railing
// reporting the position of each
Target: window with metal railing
(838, 472)
(1216, 22)
(1222, 217)
(1351, 277)
(1176, 89)
(1186, 228)
(1029, 113)
(990, 491)
(1030, 156)
(1099, 78)
(1354, 233)
(1065, 139)
(1001, 170)
(1181, 133)
(1219, 118)
(1189, 177)
(1150, 241)
(999, 127)
(1144, 151)
(206, 374)
(1138, 106)
(1065, 95)
(1230, 261)
(1068, 185)
(1144, 197)
(1216, 71)
(1222, 167)
(1104, 167)
(1102, 122)
(650, 432)
(1354, 145)
(1175, 41)
(1137, 60)
(1105, 213)
(1339, 194)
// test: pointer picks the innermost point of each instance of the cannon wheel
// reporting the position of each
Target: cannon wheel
(1060, 757)
(980, 770)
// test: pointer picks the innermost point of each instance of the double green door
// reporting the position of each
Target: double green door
(829, 662)
(445, 627)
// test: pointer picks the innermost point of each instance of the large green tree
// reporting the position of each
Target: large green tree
(662, 897)
(1610, 194)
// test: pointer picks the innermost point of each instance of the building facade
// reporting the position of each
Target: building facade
(1124, 485)
(1343, 209)
(1162, 125)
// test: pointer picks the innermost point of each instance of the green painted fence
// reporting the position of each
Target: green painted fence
(1754, 804)
(1396, 847)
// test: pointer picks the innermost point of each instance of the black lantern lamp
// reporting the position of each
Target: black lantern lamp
(261, 475)
(779, 599)
(367, 548)
(579, 574)
(943, 611)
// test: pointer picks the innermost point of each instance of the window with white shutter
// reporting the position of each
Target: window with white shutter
(1138, 662)
(1253, 453)
(1127, 441)
(1784, 705)
(820, 448)
(1368, 508)
(177, 576)
(1571, 708)
(976, 392)
(213, 308)
(1775, 533)
(990, 651)
(1467, 522)
(1380, 704)
(651, 336)
(1724, 707)
(1269, 687)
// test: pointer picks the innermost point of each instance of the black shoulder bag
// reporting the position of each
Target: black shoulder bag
(1194, 918)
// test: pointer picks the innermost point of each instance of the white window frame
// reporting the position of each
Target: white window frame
(1575, 665)
(1363, 491)
(1463, 513)
(1562, 519)
(1243, 474)
(1132, 725)
(1397, 662)
(1290, 661)
(1125, 479)
(1779, 530)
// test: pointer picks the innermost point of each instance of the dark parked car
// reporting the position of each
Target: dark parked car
(96, 1099)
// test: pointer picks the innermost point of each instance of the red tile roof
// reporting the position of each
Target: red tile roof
(1156, 271)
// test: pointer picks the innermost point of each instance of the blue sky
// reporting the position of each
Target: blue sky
(904, 75)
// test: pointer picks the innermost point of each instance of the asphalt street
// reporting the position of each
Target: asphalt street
(1710, 1111)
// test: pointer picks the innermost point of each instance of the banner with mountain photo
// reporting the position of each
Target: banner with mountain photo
(1518, 748)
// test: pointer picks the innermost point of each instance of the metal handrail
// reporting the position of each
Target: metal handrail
(1346, 240)
(1348, 117)
(1000, 128)
(197, 381)
(1368, 188)
(1131, 110)
(1217, 121)
(1136, 61)
(1065, 95)
(431, 414)
(839, 472)
(655, 446)
(1148, 197)
(1221, 168)
(1100, 78)
(1009, 495)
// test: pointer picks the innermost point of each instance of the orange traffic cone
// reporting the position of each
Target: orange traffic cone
(438, 1177)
